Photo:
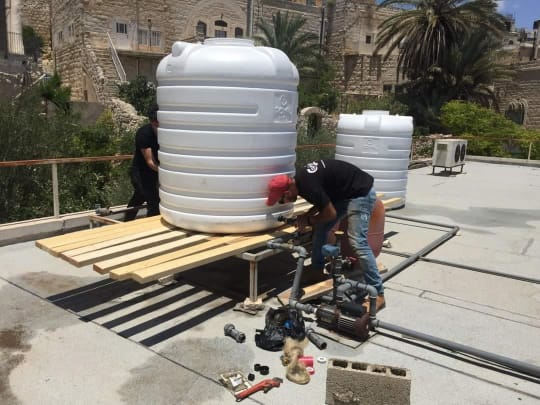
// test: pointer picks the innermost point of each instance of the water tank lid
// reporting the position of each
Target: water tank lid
(375, 112)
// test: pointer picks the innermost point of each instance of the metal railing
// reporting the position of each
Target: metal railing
(54, 170)
(116, 60)
(15, 43)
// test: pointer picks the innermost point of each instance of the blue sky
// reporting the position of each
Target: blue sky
(524, 11)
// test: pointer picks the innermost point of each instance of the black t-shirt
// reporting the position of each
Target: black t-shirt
(325, 181)
(145, 138)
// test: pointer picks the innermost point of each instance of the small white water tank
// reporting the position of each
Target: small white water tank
(227, 125)
(380, 144)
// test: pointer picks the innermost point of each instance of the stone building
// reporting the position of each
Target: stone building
(351, 37)
(519, 96)
(96, 44)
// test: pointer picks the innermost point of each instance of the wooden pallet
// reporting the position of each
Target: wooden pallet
(149, 249)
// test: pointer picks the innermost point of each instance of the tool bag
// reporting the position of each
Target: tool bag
(279, 324)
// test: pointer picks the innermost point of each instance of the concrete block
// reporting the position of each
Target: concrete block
(353, 382)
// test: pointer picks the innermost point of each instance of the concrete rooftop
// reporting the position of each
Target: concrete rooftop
(71, 336)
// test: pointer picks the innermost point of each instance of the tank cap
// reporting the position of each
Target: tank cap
(178, 47)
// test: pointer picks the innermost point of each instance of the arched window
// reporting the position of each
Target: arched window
(516, 111)
(201, 29)
(238, 32)
(220, 29)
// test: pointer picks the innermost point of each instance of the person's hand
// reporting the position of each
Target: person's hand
(302, 222)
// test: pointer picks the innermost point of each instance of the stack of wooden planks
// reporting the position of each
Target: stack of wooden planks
(148, 249)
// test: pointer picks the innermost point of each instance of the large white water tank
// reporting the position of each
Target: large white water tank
(227, 125)
(380, 144)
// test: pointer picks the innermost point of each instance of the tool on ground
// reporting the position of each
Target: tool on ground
(234, 381)
(231, 331)
(316, 340)
(264, 385)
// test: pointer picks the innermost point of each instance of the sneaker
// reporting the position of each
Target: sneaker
(380, 304)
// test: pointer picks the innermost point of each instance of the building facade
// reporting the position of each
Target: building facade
(95, 43)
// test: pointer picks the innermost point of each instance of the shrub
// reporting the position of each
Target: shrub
(473, 121)
(140, 93)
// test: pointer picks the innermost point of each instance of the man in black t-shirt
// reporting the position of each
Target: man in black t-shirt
(336, 189)
(144, 169)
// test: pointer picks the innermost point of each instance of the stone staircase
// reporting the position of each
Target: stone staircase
(99, 66)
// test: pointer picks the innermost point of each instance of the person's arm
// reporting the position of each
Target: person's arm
(149, 158)
(328, 213)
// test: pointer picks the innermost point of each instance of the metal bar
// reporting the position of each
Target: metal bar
(116, 60)
(15, 163)
(530, 148)
(516, 365)
(430, 247)
(253, 281)
(56, 200)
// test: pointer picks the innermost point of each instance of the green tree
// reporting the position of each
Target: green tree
(426, 30)
(29, 134)
(33, 43)
(467, 73)
(51, 90)
(288, 33)
(140, 93)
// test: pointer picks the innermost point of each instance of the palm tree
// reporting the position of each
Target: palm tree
(425, 30)
(471, 69)
(286, 33)
(468, 73)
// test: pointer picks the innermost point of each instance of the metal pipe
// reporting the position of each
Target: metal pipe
(467, 267)
(346, 284)
(516, 365)
(56, 199)
(302, 255)
(430, 247)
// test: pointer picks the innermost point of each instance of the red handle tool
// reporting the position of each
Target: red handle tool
(264, 385)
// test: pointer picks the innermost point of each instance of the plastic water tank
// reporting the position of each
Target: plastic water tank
(380, 144)
(227, 125)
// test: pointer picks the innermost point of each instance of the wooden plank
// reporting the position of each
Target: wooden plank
(391, 201)
(199, 259)
(50, 244)
(109, 237)
(85, 258)
(124, 271)
(311, 292)
(89, 247)
(105, 266)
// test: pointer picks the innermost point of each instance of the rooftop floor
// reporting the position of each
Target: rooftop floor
(69, 335)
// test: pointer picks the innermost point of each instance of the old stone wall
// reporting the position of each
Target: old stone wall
(264, 10)
(36, 14)
(523, 89)
(353, 27)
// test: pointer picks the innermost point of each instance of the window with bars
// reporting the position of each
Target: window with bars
(152, 38)
(121, 28)
(238, 32)
(220, 34)
(201, 29)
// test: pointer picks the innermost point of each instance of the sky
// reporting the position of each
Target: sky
(524, 11)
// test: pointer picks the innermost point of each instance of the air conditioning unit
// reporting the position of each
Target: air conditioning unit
(449, 153)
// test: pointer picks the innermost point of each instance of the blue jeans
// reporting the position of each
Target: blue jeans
(358, 211)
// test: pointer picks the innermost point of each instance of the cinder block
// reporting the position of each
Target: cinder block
(352, 382)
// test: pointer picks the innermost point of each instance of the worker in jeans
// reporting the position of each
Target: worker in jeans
(144, 169)
(336, 189)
